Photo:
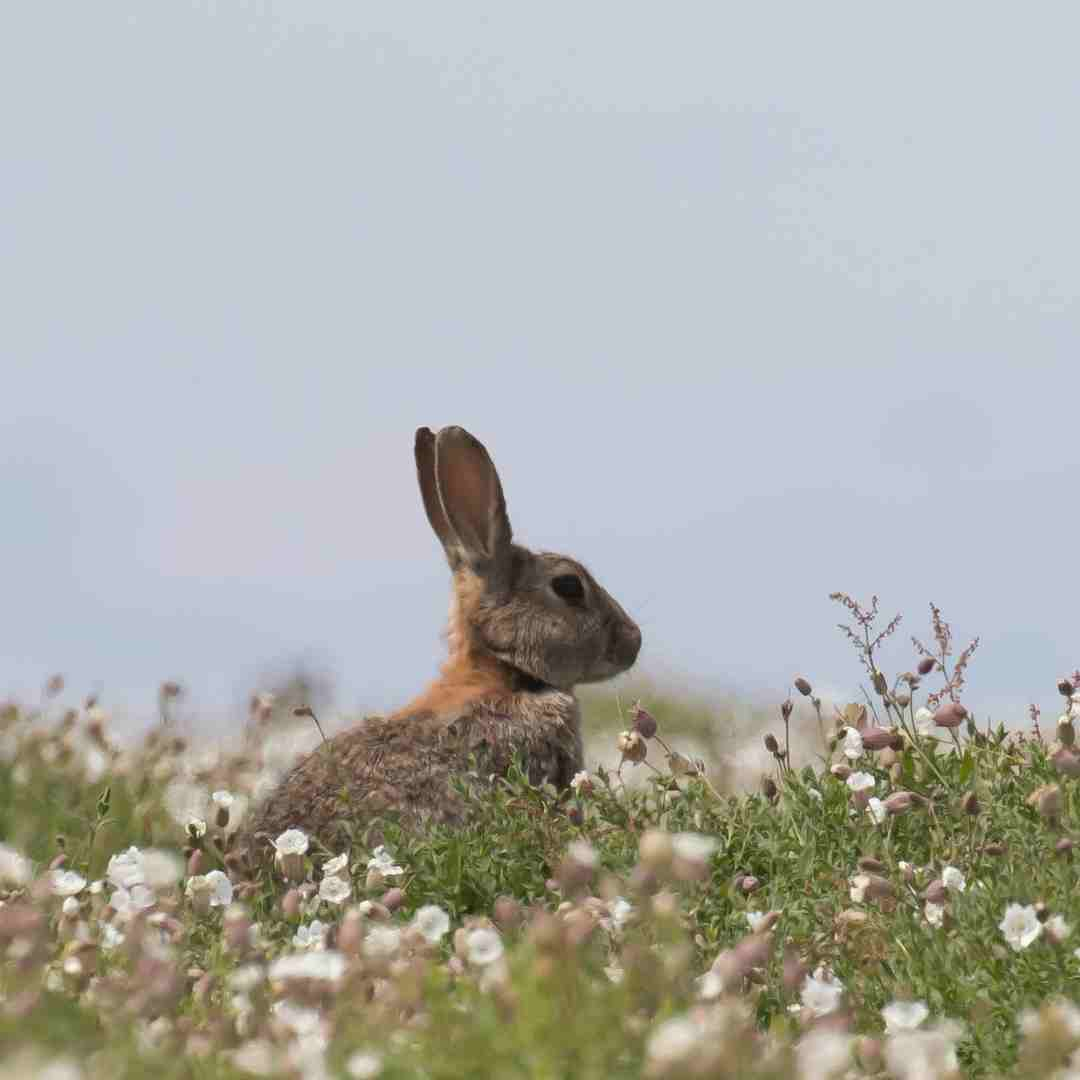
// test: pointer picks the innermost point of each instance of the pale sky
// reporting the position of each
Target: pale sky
(749, 303)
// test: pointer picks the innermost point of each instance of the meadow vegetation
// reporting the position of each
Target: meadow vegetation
(897, 901)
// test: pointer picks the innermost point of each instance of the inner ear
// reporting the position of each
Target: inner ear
(472, 499)
(429, 492)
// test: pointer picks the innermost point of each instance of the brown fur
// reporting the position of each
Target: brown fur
(517, 646)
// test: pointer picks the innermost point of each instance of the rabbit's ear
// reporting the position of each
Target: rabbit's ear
(429, 492)
(472, 500)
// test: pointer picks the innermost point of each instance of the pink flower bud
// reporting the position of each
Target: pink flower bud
(290, 904)
(926, 665)
(877, 738)
(803, 686)
(950, 715)
(644, 722)
(936, 892)
(899, 802)
(1067, 762)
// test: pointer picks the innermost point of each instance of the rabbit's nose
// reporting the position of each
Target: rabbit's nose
(627, 643)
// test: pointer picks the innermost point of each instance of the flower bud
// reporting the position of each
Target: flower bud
(656, 850)
(221, 820)
(900, 801)
(950, 715)
(1064, 846)
(195, 863)
(351, 934)
(632, 747)
(769, 788)
(1047, 801)
(876, 866)
(877, 738)
(903, 700)
(936, 892)
(926, 665)
(1066, 761)
(290, 904)
(1066, 733)
(749, 884)
(995, 847)
(785, 709)
(393, 899)
(840, 771)
(1065, 687)
(880, 683)
(771, 744)
(507, 913)
(970, 804)
(644, 722)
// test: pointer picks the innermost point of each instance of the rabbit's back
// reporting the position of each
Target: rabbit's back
(403, 765)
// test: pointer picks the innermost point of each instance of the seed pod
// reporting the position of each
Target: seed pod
(995, 847)
(803, 686)
(881, 685)
(840, 770)
(950, 715)
(970, 804)
(1065, 687)
(769, 788)
(876, 866)
(644, 722)
(926, 665)
(785, 709)
(632, 747)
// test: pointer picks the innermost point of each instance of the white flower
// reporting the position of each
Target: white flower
(672, 1045)
(953, 879)
(1020, 926)
(338, 865)
(15, 869)
(821, 993)
(924, 721)
(223, 799)
(222, 893)
(483, 946)
(814, 794)
(904, 1016)
(432, 923)
(876, 809)
(710, 985)
(583, 854)
(66, 882)
(755, 919)
(312, 936)
(824, 1055)
(70, 907)
(853, 747)
(334, 890)
(160, 869)
(125, 869)
(620, 909)
(861, 781)
(580, 779)
(935, 913)
(918, 1055)
(382, 942)
(383, 862)
(110, 937)
(195, 827)
(859, 884)
(126, 902)
(364, 1065)
(291, 842)
(693, 847)
(326, 966)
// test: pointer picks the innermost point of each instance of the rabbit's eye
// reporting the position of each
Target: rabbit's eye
(569, 587)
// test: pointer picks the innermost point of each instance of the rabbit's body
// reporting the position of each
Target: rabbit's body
(524, 629)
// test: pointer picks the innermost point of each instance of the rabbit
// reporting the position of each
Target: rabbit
(525, 628)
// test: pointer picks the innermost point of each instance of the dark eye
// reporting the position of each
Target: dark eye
(569, 587)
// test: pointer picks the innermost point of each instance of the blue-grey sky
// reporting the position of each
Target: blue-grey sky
(749, 302)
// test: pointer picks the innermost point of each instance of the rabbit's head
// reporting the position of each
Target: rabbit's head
(543, 615)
